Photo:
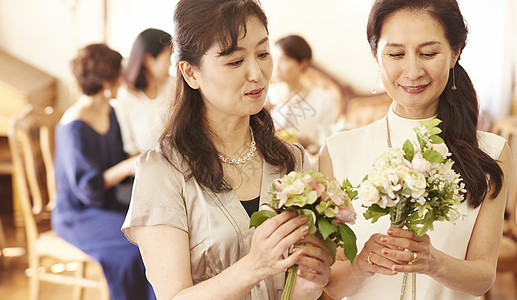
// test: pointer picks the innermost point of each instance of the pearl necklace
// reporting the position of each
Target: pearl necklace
(245, 158)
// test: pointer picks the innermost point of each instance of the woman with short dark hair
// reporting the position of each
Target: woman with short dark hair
(89, 165)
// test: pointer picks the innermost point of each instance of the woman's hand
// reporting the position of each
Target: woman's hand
(272, 239)
(313, 266)
(371, 259)
(410, 253)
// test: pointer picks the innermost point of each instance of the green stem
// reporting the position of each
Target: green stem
(290, 282)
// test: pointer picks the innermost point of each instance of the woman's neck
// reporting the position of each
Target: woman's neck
(296, 86)
(152, 89)
(231, 136)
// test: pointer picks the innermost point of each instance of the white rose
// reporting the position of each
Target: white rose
(415, 181)
(442, 149)
(420, 164)
(368, 193)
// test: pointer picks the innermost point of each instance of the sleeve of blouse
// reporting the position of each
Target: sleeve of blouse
(302, 159)
(125, 130)
(82, 168)
(157, 197)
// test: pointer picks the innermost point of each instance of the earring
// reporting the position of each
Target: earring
(374, 90)
(107, 93)
(453, 87)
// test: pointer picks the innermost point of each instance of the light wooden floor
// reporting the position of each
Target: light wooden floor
(14, 285)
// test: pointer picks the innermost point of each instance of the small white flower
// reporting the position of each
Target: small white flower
(368, 193)
(442, 149)
(416, 183)
(420, 164)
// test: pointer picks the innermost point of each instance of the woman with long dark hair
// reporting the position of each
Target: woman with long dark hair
(417, 45)
(217, 159)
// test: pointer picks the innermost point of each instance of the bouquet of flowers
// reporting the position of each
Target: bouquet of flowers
(327, 205)
(415, 185)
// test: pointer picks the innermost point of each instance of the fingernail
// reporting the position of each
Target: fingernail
(390, 231)
(305, 228)
(384, 239)
(394, 268)
(299, 273)
(385, 251)
(304, 218)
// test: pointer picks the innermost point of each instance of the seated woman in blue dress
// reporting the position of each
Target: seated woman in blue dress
(90, 162)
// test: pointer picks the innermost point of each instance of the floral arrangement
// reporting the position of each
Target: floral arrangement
(327, 205)
(288, 135)
(415, 185)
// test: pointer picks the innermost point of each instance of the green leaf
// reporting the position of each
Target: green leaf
(434, 122)
(352, 194)
(311, 220)
(326, 228)
(332, 247)
(349, 241)
(260, 216)
(433, 156)
(436, 139)
(421, 142)
(409, 150)
(374, 212)
(346, 184)
(435, 130)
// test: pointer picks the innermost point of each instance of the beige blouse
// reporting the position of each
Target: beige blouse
(217, 223)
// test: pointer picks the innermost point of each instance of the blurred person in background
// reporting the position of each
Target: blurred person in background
(89, 164)
(142, 102)
(298, 105)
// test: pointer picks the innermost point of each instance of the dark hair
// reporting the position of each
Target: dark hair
(94, 65)
(152, 41)
(457, 109)
(200, 24)
(295, 47)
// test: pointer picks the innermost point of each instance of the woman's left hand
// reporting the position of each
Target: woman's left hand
(313, 265)
(416, 254)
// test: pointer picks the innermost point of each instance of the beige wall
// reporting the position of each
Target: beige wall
(47, 33)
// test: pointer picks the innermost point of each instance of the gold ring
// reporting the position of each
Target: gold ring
(370, 262)
(415, 257)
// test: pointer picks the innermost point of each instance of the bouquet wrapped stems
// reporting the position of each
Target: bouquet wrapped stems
(290, 283)
(399, 223)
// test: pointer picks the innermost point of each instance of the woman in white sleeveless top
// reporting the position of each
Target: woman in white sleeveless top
(417, 45)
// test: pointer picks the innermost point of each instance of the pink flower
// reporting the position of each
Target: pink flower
(346, 215)
(267, 207)
(315, 186)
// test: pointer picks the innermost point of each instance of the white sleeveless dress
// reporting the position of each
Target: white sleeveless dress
(352, 154)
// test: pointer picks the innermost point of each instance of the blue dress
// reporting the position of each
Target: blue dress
(88, 215)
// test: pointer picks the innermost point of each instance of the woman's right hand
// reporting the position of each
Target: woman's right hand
(272, 239)
(371, 260)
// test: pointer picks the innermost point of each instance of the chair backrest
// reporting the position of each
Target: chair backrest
(363, 110)
(507, 128)
(31, 141)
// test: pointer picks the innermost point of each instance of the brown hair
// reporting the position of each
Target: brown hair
(295, 47)
(457, 109)
(200, 24)
(152, 41)
(94, 65)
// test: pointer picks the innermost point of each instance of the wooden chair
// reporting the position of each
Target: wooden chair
(31, 136)
(363, 110)
(507, 261)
